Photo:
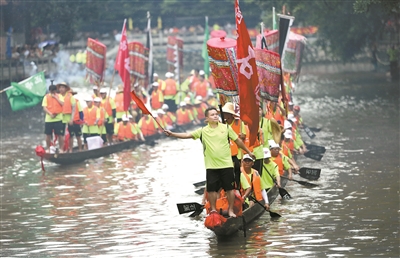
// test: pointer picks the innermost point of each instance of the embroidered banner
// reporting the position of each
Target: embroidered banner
(137, 59)
(95, 60)
(269, 73)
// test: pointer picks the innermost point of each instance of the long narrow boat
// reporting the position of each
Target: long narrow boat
(232, 225)
(77, 157)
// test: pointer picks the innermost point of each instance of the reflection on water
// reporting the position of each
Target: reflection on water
(124, 205)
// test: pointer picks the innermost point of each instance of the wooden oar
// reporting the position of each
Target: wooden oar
(308, 131)
(271, 213)
(310, 173)
(301, 182)
(282, 192)
(313, 155)
(315, 148)
(189, 207)
(198, 184)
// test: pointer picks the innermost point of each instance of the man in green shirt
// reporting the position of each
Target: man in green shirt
(217, 156)
(270, 172)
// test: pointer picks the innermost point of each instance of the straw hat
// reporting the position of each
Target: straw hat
(229, 108)
(63, 84)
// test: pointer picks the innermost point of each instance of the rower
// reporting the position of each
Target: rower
(95, 92)
(136, 128)
(91, 116)
(281, 160)
(287, 147)
(52, 106)
(250, 182)
(270, 168)
(169, 90)
(119, 103)
(110, 107)
(171, 118)
(103, 118)
(124, 130)
(157, 97)
(298, 142)
(183, 116)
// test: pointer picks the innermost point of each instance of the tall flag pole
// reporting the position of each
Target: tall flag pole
(274, 25)
(284, 28)
(204, 52)
(149, 46)
(249, 89)
(123, 67)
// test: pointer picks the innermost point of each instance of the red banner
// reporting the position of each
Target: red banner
(138, 59)
(122, 66)
(248, 78)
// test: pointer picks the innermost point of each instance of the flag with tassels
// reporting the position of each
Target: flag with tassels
(249, 98)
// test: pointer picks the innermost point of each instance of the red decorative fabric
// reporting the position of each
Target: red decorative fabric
(269, 73)
(137, 59)
(222, 56)
(175, 55)
(95, 60)
(214, 220)
(272, 40)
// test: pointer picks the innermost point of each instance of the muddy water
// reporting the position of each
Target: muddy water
(124, 205)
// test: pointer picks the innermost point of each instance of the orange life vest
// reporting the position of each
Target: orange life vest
(52, 105)
(102, 116)
(254, 182)
(287, 146)
(105, 103)
(125, 131)
(170, 87)
(182, 117)
(67, 107)
(90, 117)
(168, 118)
(201, 89)
(257, 142)
(155, 99)
(236, 125)
(212, 82)
(147, 126)
(278, 160)
(119, 102)
(200, 113)
(76, 114)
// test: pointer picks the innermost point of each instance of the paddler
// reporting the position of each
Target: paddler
(250, 182)
(281, 160)
(119, 103)
(53, 106)
(136, 128)
(95, 92)
(109, 105)
(103, 118)
(91, 116)
(157, 97)
(124, 130)
(287, 147)
(217, 156)
(270, 169)
(169, 91)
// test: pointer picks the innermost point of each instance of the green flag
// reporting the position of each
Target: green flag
(27, 93)
(274, 25)
(204, 52)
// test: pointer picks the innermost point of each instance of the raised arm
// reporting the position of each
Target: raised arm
(178, 135)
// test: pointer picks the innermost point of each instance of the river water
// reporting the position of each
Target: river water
(124, 205)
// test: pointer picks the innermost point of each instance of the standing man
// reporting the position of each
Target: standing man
(169, 91)
(109, 105)
(157, 97)
(53, 107)
(91, 116)
(217, 156)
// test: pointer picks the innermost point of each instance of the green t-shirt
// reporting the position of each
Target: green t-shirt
(266, 180)
(298, 142)
(67, 117)
(265, 125)
(216, 148)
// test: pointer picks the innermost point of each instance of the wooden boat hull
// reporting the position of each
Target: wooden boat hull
(232, 225)
(77, 157)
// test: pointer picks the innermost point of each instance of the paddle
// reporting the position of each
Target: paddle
(282, 192)
(313, 155)
(315, 148)
(200, 191)
(198, 184)
(301, 182)
(271, 213)
(315, 129)
(310, 173)
(189, 207)
(308, 131)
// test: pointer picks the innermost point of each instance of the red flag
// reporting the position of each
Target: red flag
(249, 97)
(122, 66)
(139, 103)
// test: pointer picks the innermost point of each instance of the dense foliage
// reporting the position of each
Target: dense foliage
(345, 27)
